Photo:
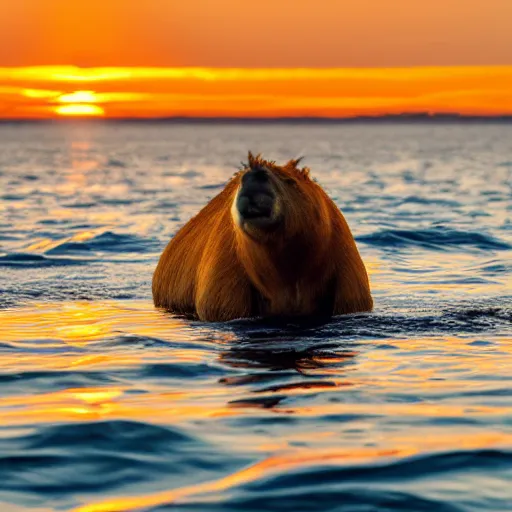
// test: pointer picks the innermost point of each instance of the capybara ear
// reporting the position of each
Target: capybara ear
(252, 160)
(294, 162)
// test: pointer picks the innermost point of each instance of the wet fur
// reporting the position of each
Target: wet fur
(310, 266)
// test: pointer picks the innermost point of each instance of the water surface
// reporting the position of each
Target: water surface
(107, 404)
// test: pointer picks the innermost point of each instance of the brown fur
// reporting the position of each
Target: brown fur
(214, 270)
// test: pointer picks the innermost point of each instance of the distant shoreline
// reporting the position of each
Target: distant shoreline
(400, 118)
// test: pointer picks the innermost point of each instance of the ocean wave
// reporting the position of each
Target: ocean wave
(377, 325)
(407, 468)
(344, 499)
(27, 260)
(109, 436)
(108, 242)
(76, 286)
(114, 162)
(374, 487)
(428, 201)
(212, 186)
(101, 456)
(191, 173)
(329, 484)
(48, 381)
(436, 238)
(179, 371)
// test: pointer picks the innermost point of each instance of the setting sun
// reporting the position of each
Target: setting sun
(78, 110)
(79, 103)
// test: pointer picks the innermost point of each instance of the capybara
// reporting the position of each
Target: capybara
(271, 244)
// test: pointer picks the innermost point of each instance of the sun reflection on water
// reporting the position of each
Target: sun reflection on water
(142, 356)
(96, 337)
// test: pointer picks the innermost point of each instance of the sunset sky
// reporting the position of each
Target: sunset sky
(154, 58)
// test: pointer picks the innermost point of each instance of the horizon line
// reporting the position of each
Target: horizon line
(419, 116)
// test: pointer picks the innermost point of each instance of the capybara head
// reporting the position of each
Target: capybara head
(273, 201)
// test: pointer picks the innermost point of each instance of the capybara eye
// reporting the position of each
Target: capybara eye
(290, 181)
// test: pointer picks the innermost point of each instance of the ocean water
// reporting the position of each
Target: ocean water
(107, 404)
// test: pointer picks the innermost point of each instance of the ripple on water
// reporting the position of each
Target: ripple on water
(105, 242)
(101, 455)
(436, 238)
(27, 260)
(108, 242)
(114, 162)
(336, 482)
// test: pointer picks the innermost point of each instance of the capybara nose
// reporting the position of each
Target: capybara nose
(256, 198)
(255, 206)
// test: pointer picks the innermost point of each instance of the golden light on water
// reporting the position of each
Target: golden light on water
(68, 328)
(70, 336)
(287, 462)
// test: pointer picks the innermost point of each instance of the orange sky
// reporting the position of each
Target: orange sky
(188, 57)
(155, 92)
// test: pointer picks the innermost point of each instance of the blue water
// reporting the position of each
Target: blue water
(107, 404)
